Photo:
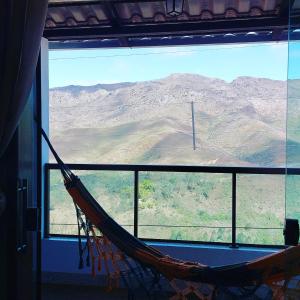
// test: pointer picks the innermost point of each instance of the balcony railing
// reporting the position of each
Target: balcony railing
(237, 189)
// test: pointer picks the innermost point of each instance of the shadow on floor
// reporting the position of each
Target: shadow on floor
(71, 292)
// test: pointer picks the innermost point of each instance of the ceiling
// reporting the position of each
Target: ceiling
(148, 22)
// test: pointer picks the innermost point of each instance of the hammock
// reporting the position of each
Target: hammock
(269, 270)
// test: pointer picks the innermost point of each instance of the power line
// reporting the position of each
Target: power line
(156, 53)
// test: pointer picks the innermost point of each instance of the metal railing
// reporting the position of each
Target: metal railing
(234, 171)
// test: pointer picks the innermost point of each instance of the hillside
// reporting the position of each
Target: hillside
(237, 123)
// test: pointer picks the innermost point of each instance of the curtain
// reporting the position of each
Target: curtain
(21, 29)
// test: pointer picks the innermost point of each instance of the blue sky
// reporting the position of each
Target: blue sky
(88, 67)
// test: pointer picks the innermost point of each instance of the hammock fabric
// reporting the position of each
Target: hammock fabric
(281, 266)
(275, 267)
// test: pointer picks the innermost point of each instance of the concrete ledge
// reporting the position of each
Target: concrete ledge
(60, 255)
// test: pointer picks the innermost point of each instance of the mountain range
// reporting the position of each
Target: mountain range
(180, 119)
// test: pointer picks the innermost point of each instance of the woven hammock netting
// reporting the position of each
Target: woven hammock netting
(121, 271)
(141, 282)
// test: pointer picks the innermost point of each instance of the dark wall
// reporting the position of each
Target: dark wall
(18, 257)
(8, 177)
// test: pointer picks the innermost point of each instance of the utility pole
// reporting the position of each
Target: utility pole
(193, 125)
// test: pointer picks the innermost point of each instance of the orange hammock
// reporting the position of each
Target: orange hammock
(281, 266)
(267, 270)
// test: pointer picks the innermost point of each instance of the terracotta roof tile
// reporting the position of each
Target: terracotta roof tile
(92, 14)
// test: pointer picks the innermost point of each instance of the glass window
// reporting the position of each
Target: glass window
(220, 106)
(185, 206)
(260, 209)
(112, 189)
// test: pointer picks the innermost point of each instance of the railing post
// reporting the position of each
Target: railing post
(136, 203)
(233, 217)
(46, 224)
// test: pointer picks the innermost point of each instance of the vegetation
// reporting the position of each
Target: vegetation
(185, 206)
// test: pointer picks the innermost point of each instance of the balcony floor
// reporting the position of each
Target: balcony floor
(72, 292)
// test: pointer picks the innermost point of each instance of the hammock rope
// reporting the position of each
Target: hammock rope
(116, 247)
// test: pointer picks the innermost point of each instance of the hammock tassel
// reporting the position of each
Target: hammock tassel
(93, 267)
(99, 263)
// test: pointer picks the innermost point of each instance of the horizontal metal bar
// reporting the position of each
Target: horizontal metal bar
(179, 168)
(185, 242)
(213, 243)
(244, 37)
(182, 226)
(156, 225)
(93, 2)
(174, 41)
(292, 171)
(73, 3)
(74, 224)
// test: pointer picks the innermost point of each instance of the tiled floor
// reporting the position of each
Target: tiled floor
(82, 292)
(67, 292)
(71, 292)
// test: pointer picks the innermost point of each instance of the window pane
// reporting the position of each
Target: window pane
(190, 233)
(260, 209)
(293, 102)
(185, 206)
(170, 106)
(62, 215)
(112, 189)
(260, 236)
(293, 197)
(165, 106)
